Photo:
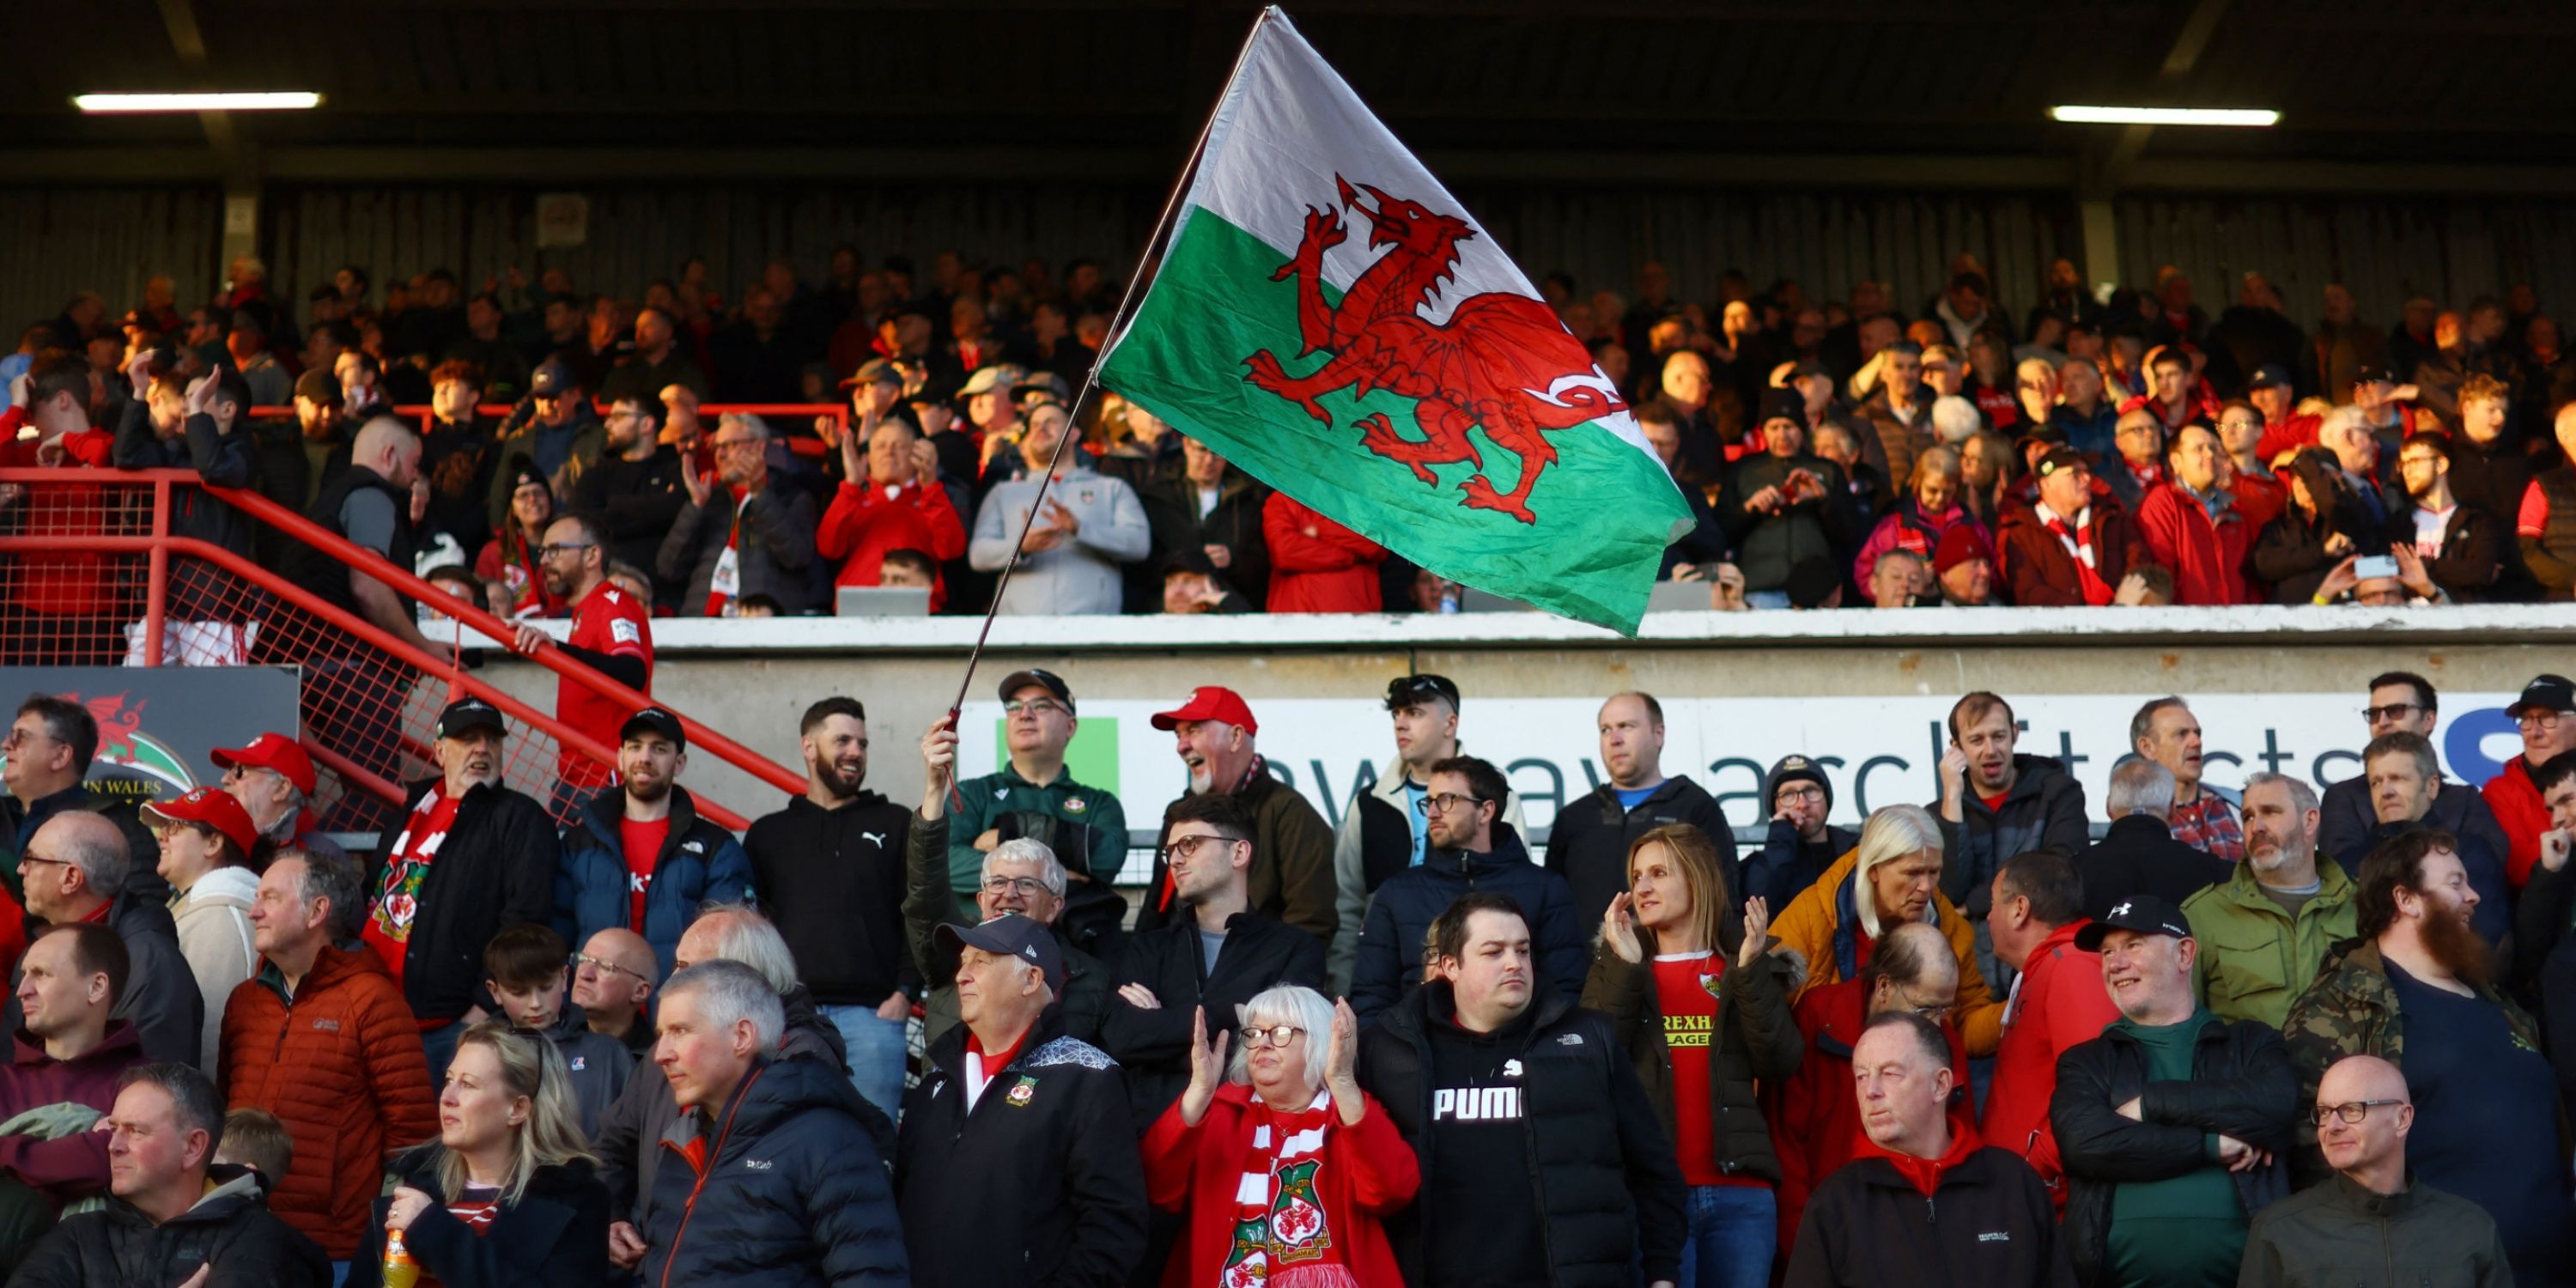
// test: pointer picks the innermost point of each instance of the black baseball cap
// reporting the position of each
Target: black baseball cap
(2544, 693)
(1191, 560)
(2144, 914)
(2059, 458)
(655, 720)
(471, 713)
(1010, 935)
(2373, 376)
(2270, 375)
(1784, 404)
(1405, 690)
(1047, 680)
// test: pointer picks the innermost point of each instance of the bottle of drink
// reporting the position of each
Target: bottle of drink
(1450, 597)
(400, 1271)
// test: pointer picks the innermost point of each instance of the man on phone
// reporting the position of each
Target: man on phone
(1787, 511)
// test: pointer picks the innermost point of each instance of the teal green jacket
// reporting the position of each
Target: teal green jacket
(1085, 826)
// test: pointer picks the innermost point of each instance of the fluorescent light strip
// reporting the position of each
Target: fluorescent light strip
(2166, 115)
(287, 100)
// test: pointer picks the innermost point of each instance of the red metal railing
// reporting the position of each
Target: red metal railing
(91, 573)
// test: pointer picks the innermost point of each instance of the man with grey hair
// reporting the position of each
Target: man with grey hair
(176, 1215)
(630, 1156)
(2404, 777)
(2166, 732)
(1075, 542)
(754, 539)
(2264, 932)
(2139, 855)
(1045, 1188)
(74, 870)
(1020, 875)
(781, 1173)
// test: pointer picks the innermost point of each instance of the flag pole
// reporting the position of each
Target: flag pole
(1156, 245)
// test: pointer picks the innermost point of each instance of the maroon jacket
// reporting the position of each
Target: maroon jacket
(2039, 570)
(76, 1165)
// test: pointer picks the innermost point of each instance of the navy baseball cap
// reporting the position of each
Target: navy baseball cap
(1010, 935)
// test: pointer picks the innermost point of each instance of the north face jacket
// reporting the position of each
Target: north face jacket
(699, 861)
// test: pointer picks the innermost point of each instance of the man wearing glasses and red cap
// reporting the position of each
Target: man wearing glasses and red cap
(273, 779)
(1292, 849)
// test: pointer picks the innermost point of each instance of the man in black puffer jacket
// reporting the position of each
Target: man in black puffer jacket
(2189, 1114)
(780, 1179)
(1538, 1146)
(1589, 847)
(1467, 850)
(174, 1212)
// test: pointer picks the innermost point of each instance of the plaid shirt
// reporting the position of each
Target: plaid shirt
(2210, 825)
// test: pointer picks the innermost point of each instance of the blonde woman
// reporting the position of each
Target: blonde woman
(1892, 876)
(506, 1196)
(1700, 1023)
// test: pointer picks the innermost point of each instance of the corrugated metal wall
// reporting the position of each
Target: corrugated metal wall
(111, 239)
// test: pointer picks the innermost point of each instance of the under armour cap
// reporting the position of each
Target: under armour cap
(270, 751)
(471, 713)
(2143, 914)
(1011, 935)
(655, 720)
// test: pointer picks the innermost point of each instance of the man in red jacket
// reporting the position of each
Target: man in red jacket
(2057, 1001)
(889, 499)
(2546, 711)
(2191, 526)
(2071, 547)
(1317, 565)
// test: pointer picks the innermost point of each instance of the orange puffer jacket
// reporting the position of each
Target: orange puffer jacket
(341, 1065)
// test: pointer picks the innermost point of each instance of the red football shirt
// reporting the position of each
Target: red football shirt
(643, 845)
(607, 620)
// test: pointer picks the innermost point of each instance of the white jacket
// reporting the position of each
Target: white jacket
(214, 935)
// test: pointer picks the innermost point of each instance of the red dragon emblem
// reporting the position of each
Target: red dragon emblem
(1501, 362)
(117, 724)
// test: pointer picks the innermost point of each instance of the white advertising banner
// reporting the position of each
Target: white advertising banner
(1878, 750)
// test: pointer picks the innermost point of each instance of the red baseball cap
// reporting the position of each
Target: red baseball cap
(270, 751)
(1210, 702)
(214, 807)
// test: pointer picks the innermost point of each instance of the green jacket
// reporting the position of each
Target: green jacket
(2253, 962)
(2352, 1010)
(2336, 1234)
(1092, 841)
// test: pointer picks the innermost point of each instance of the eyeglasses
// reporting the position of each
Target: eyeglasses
(553, 548)
(20, 737)
(2542, 719)
(32, 857)
(1277, 1035)
(1447, 801)
(1800, 792)
(1034, 706)
(727, 445)
(579, 960)
(2393, 711)
(1182, 849)
(1007, 885)
(2351, 1113)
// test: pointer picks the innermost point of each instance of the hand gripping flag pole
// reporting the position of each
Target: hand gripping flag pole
(1155, 246)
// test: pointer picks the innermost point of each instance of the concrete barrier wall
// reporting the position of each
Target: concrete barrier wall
(1866, 691)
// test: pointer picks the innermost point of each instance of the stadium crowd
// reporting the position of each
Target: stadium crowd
(2263, 1036)
(2108, 446)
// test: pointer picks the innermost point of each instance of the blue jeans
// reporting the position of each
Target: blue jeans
(1733, 1231)
(876, 1054)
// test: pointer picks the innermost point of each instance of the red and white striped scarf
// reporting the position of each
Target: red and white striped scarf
(1282, 1235)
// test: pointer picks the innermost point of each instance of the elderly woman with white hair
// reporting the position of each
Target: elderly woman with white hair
(1284, 1167)
(1893, 876)
(746, 531)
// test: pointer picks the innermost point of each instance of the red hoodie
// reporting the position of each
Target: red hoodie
(1925, 1173)
(2516, 802)
(2058, 1002)
(865, 523)
(1813, 1115)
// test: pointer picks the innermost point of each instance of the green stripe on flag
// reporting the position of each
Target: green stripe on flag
(1605, 510)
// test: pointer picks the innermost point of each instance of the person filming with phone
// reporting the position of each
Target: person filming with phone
(1786, 512)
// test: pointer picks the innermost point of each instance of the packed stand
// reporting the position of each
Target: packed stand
(2265, 1035)
(2108, 446)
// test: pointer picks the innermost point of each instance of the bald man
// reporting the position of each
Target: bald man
(74, 870)
(613, 979)
(2367, 1224)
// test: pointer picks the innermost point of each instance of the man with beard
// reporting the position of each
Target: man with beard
(2404, 778)
(470, 857)
(1292, 848)
(611, 634)
(636, 488)
(641, 857)
(2484, 1096)
(2461, 546)
(2171, 1122)
(830, 870)
(2263, 932)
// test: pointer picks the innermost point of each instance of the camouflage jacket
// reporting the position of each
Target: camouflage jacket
(2351, 1009)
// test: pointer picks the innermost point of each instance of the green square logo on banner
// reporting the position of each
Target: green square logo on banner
(1092, 756)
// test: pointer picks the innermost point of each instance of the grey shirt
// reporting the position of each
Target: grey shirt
(1082, 574)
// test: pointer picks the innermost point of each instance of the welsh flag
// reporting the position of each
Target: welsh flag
(1328, 317)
